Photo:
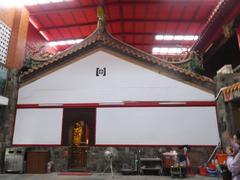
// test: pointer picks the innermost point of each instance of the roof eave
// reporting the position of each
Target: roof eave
(101, 38)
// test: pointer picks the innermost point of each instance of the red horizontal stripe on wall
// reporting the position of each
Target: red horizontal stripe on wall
(142, 145)
(121, 104)
(114, 145)
(24, 145)
(27, 106)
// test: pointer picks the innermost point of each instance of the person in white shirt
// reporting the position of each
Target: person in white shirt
(233, 160)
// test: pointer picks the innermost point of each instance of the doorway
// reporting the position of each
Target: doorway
(78, 146)
(78, 158)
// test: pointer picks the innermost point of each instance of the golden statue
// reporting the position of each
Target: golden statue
(77, 133)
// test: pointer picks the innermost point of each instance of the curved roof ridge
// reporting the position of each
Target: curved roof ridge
(102, 38)
(160, 61)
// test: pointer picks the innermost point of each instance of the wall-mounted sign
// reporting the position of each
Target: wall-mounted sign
(101, 71)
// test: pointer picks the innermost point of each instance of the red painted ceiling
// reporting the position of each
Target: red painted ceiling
(136, 22)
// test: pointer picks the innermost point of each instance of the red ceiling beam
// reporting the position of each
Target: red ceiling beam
(225, 12)
(127, 2)
(187, 22)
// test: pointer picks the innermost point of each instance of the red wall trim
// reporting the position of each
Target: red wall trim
(62, 127)
(108, 145)
(48, 145)
(124, 104)
(95, 126)
(27, 106)
(142, 145)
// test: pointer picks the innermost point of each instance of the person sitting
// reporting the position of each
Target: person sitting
(233, 159)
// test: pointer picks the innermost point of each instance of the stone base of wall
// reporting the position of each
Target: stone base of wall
(125, 156)
(7, 115)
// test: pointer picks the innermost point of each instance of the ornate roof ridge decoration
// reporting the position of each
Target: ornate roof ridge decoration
(233, 87)
(101, 38)
(102, 24)
(179, 58)
(231, 92)
(38, 53)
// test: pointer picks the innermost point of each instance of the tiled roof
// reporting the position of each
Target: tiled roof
(102, 39)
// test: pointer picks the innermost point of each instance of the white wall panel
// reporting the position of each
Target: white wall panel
(38, 126)
(156, 126)
(124, 81)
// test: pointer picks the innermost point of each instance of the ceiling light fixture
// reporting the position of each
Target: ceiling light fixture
(34, 2)
(65, 42)
(168, 50)
(176, 37)
(20, 3)
(11, 3)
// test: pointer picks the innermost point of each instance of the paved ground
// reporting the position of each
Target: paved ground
(55, 176)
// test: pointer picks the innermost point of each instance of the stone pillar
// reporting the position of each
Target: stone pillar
(2, 108)
(225, 114)
(17, 19)
(8, 115)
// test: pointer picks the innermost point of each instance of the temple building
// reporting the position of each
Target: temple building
(68, 108)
